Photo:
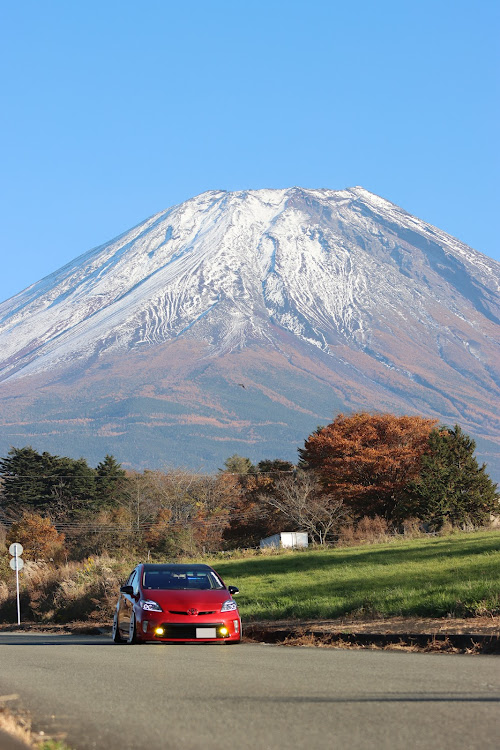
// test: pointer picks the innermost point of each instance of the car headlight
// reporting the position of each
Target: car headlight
(150, 605)
(229, 605)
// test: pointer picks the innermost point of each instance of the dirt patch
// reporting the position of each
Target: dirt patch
(391, 625)
(467, 636)
(72, 628)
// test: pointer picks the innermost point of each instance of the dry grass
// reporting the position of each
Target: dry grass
(366, 531)
(434, 645)
(19, 726)
(65, 593)
(16, 726)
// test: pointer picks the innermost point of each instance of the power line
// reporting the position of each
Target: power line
(201, 476)
(96, 527)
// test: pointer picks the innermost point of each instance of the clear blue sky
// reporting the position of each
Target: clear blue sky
(114, 110)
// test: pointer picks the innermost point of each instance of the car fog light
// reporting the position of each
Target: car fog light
(223, 631)
(159, 631)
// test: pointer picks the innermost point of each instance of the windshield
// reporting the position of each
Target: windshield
(182, 578)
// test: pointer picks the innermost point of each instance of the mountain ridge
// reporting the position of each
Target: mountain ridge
(363, 291)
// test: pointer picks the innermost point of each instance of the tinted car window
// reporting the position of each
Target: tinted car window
(132, 578)
(181, 578)
(135, 583)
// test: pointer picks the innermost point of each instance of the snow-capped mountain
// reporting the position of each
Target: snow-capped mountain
(315, 300)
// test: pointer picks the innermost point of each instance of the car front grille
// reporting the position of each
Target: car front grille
(179, 631)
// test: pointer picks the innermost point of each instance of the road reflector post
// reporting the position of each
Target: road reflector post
(17, 564)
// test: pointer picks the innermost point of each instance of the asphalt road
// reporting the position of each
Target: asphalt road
(202, 697)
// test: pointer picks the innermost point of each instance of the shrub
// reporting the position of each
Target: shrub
(366, 531)
(40, 539)
(67, 593)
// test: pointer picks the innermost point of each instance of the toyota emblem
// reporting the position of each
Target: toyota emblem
(192, 611)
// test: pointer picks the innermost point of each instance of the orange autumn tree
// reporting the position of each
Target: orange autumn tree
(367, 460)
(39, 538)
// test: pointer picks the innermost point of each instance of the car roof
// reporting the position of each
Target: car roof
(174, 566)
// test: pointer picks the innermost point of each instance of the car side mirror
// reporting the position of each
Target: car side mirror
(127, 590)
(233, 590)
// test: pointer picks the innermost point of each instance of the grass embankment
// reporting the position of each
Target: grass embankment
(456, 575)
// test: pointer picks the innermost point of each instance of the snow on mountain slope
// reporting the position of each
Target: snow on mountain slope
(318, 300)
(322, 264)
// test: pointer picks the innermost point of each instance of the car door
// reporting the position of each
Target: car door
(127, 602)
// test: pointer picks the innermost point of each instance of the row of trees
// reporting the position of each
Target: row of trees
(401, 467)
(360, 466)
(59, 487)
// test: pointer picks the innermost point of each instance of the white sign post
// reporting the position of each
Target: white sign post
(17, 564)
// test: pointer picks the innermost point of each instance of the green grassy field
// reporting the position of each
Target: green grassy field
(456, 575)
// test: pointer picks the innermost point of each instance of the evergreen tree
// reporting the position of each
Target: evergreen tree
(73, 488)
(275, 467)
(56, 486)
(110, 482)
(24, 473)
(452, 486)
(236, 464)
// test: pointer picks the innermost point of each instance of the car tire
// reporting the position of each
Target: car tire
(132, 631)
(115, 632)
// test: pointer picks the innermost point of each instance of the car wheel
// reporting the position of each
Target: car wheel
(115, 632)
(132, 631)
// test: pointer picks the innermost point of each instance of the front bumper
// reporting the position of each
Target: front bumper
(183, 629)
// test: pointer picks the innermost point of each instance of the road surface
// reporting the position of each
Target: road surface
(250, 696)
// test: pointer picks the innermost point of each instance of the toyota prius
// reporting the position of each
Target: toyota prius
(175, 602)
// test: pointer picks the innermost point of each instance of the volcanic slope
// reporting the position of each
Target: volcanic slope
(238, 322)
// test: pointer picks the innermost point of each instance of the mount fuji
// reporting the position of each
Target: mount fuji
(238, 322)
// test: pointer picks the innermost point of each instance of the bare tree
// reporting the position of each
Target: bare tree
(180, 510)
(301, 499)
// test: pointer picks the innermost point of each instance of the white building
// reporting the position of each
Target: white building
(286, 539)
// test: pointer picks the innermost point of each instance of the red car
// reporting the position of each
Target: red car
(176, 603)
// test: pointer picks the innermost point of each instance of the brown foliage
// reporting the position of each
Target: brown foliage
(39, 538)
(253, 517)
(216, 497)
(180, 512)
(367, 460)
(109, 531)
(366, 531)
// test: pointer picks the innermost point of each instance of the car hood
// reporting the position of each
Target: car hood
(184, 600)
